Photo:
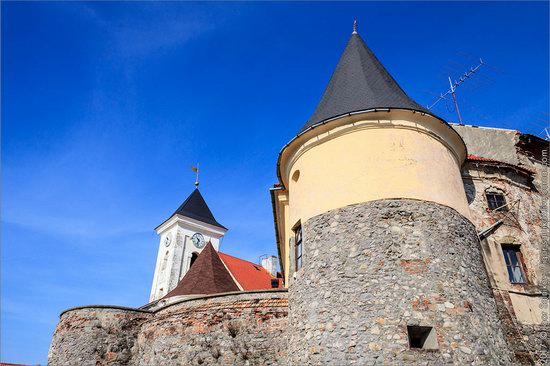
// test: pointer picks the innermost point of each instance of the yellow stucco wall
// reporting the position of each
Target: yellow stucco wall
(361, 158)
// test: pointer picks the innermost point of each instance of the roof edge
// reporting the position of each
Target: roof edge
(222, 294)
(348, 114)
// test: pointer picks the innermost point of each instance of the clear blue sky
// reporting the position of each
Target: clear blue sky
(105, 106)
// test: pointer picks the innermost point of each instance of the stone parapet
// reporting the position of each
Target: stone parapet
(96, 335)
(235, 328)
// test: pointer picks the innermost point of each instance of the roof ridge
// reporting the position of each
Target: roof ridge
(207, 275)
(259, 266)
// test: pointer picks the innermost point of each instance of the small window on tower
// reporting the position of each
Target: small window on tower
(496, 200)
(514, 263)
(298, 245)
(422, 337)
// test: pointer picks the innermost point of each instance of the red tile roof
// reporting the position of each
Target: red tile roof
(207, 275)
(487, 160)
(249, 275)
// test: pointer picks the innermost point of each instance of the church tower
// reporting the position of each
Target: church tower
(182, 237)
(381, 260)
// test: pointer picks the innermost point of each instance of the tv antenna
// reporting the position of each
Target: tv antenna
(456, 84)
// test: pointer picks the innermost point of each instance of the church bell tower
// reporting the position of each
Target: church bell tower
(182, 237)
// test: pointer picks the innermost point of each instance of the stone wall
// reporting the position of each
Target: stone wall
(240, 328)
(370, 270)
(96, 335)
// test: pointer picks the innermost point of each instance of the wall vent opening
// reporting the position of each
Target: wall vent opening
(421, 337)
(296, 175)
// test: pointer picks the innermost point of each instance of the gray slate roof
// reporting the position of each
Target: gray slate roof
(196, 208)
(360, 82)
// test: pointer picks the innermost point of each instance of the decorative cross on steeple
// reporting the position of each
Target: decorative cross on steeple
(354, 27)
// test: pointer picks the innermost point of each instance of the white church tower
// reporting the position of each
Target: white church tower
(182, 237)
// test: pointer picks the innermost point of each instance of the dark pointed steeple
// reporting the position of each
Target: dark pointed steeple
(195, 207)
(208, 275)
(359, 82)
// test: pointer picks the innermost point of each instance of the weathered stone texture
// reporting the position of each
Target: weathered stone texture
(523, 225)
(96, 336)
(244, 329)
(371, 269)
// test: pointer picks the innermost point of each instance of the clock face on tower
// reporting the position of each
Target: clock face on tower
(198, 240)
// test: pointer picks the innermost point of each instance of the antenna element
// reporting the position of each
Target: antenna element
(455, 85)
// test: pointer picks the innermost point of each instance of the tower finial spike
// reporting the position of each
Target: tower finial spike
(196, 170)
(354, 27)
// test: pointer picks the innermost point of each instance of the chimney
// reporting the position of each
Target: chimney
(270, 264)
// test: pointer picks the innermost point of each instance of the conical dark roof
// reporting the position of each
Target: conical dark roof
(360, 82)
(207, 275)
(196, 208)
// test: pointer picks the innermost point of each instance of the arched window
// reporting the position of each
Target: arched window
(194, 257)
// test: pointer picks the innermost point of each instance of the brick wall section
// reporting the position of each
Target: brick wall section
(371, 269)
(244, 329)
(96, 336)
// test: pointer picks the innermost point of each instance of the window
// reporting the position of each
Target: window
(422, 337)
(194, 257)
(514, 264)
(496, 200)
(298, 246)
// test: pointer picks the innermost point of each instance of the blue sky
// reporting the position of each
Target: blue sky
(105, 106)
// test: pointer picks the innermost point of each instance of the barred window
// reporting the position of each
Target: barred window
(496, 200)
(298, 246)
(514, 264)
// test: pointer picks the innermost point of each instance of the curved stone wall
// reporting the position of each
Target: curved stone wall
(372, 269)
(236, 329)
(239, 328)
(96, 335)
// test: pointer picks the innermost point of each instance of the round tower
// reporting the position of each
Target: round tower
(382, 262)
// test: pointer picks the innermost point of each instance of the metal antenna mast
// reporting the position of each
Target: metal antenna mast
(455, 85)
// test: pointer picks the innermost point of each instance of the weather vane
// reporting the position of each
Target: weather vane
(196, 170)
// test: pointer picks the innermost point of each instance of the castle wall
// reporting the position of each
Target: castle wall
(96, 335)
(225, 329)
(372, 269)
(238, 329)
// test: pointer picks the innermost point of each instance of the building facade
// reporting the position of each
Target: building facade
(402, 239)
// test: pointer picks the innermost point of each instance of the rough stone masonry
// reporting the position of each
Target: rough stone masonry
(243, 328)
(372, 269)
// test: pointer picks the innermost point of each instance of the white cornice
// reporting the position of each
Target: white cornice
(191, 224)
